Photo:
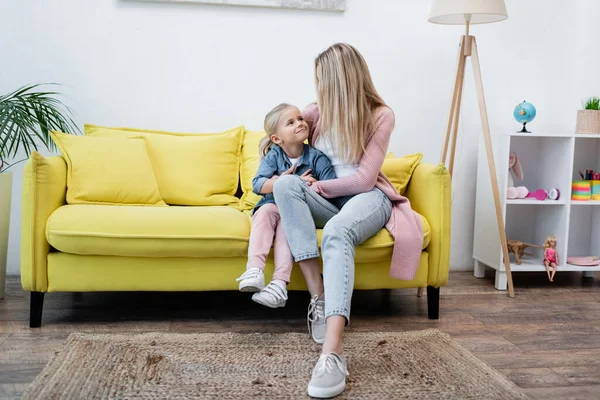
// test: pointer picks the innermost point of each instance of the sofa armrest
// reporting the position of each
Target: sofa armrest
(429, 193)
(44, 190)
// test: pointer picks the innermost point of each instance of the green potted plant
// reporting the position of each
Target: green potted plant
(588, 119)
(27, 115)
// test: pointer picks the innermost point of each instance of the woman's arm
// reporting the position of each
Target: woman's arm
(370, 164)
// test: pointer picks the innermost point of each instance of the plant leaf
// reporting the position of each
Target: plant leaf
(27, 115)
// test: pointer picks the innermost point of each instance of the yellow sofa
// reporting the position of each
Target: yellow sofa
(86, 246)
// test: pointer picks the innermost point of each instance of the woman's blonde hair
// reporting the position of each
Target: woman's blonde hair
(270, 125)
(347, 99)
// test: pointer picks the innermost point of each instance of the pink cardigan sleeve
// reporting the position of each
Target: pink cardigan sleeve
(311, 116)
(369, 166)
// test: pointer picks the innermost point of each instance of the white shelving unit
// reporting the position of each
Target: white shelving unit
(548, 161)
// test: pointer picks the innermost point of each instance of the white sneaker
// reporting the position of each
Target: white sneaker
(271, 296)
(315, 319)
(328, 377)
(253, 280)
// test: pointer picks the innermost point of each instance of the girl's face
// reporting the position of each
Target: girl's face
(552, 243)
(291, 128)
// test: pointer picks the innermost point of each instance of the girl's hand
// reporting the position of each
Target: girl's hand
(308, 178)
(290, 171)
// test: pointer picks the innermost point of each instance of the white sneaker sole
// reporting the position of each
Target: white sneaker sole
(259, 300)
(325, 393)
(318, 340)
(250, 288)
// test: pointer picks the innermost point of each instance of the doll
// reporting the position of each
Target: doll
(550, 256)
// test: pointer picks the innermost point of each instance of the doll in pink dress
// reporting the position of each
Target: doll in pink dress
(550, 256)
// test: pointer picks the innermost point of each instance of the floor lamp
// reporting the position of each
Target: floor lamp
(469, 12)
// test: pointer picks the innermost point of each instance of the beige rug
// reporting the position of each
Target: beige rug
(410, 365)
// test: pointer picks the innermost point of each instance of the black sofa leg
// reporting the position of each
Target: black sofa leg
(433, 302)
(35, 309)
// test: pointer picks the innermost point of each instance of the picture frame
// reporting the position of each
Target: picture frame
(314, 5)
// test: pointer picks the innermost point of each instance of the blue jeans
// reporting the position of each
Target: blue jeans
(346, 222)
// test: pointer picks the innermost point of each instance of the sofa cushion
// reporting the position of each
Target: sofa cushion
(104, 170)
(191, 169)
(248, 167)
(199, 170)
(399, 170)
(174, 231)
(216, 231)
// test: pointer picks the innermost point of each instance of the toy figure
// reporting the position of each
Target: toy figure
(518, 249)
(550, 256)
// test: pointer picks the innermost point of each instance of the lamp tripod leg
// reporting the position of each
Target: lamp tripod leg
(459, 92)
(491, 163)
(460, 61)
(452, 128)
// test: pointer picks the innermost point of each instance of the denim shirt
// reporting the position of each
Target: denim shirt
(277, 162)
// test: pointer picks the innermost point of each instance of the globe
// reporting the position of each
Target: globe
(524, 113)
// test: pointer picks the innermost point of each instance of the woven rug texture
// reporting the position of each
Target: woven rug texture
(425, 364)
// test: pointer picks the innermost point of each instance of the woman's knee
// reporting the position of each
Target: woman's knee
(336, 228)
(286, 184)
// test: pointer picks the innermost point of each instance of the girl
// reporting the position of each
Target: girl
(352, 125)
(283, 152)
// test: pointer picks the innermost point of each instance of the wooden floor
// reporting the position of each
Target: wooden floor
(546, 339)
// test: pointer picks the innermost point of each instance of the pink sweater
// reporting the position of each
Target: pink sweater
(404, 224)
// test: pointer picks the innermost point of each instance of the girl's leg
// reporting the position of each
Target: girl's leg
(262, 232)
(360, 218)
(546, 263)
(275, 293)
(553, 272)
(282, 255)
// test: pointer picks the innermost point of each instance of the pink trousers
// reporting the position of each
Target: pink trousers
(266, 229)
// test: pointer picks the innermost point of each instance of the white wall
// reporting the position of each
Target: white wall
(203, 68)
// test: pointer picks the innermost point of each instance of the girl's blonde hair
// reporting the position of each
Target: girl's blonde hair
(347, 99)
(270, 125)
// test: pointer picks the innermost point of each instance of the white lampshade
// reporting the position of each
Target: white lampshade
(457, 12)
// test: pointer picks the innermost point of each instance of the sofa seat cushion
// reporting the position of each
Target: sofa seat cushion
(192, 231)
(379, 247)
(210, 231)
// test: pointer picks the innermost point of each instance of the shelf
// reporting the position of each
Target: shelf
(538, 202)
(534, 265)
(549, 134)
(585, 202)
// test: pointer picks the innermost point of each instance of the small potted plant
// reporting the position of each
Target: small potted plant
(588, 119)
(27, 115)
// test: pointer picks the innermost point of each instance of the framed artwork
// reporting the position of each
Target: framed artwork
(317, 5)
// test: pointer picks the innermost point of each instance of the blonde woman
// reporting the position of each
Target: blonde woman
(350, 124)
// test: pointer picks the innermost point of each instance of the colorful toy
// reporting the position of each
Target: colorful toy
(550, 256)
(595, 189)
(581, 190)
(541, 194)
